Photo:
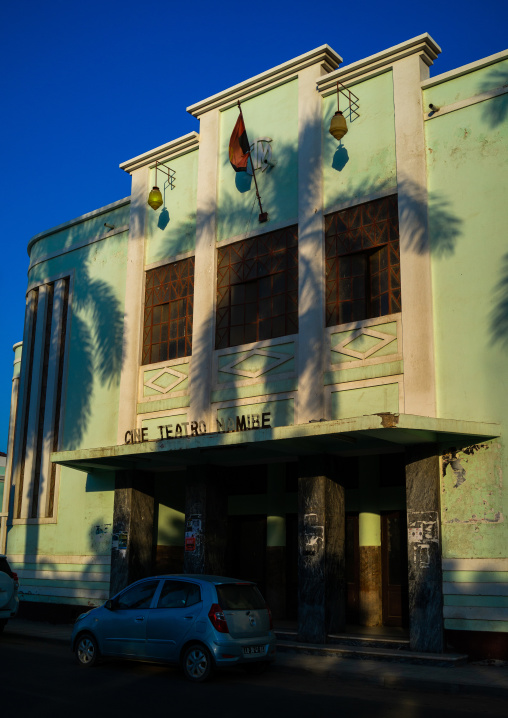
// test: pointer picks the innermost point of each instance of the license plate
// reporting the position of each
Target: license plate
(249, 650)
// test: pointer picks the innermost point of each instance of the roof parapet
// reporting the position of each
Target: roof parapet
(422, 45)
(324, 56)
(169, 151)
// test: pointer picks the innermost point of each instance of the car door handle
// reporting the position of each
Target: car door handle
(139, 619)
(188, 618)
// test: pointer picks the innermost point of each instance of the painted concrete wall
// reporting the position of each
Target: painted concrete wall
(363, 163)
(68, 560)
(274, 115)
(171, 230)
(467, 156)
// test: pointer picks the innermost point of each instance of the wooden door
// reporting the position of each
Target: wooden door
(395, 567)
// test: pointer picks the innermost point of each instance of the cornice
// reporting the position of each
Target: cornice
(78, 220)
(324, 56)
(422, 45)
(465, 69)
(169, 151)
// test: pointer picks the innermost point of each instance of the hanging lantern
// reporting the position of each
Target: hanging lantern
(155, 198)
(338, 125)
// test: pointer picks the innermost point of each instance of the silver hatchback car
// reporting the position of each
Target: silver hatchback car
(198, 622)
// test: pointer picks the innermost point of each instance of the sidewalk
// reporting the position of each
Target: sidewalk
(472, 678)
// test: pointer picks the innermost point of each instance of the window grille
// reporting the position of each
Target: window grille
(362, 262)
(257, 289)
(169, 298)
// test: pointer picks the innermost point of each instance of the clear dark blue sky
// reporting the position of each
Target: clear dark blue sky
(87, 85)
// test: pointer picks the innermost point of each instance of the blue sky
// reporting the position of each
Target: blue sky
(86, 86)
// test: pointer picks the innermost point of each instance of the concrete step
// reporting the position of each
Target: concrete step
(376, 653)
(345, 639)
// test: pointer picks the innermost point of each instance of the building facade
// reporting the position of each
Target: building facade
(316, 401)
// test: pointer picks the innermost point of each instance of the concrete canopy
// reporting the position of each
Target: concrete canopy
(376, 433)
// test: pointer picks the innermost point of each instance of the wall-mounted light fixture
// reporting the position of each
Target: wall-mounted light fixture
(155, 197)
(338, 125)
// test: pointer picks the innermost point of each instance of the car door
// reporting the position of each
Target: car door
(123, 629)
(172, 619)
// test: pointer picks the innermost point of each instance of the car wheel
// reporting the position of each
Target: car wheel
(87, 650)
(197, 663)
(255, 669)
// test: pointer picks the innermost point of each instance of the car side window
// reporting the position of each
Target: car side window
(179, 594)
(139, 596)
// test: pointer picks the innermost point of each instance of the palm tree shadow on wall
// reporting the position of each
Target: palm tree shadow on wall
(99, 340)
(495, 111)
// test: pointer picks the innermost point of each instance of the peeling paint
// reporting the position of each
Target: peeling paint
(388, 420)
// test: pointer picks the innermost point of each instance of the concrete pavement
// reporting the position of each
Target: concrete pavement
(486, 678)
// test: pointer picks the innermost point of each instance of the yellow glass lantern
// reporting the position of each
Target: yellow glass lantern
(155, 198)
(338, 125)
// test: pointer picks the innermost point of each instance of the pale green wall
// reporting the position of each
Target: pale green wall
(466, 86)
(363, 162)
(170, 503)
(365, 400)
(467, 157)
(95, 343)
(272, 114)
(80, 232)
(282, 412)
(171, 229)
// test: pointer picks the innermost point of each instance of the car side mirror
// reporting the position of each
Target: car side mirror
(109, 605)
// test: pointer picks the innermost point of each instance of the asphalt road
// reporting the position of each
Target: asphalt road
(38, 679)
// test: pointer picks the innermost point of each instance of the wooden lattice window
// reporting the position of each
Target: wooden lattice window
(169, 297)
(362, 262)
(257, 289)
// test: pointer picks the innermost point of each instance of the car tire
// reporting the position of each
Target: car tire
(87, 650)
(197, 663)
(255, 669)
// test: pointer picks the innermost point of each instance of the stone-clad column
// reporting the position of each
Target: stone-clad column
(206, 516)
(321, 552)
(133, 517)
(424, 550)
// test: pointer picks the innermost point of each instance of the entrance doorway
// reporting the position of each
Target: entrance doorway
(246, 549)
(394, 581)
(394, 568)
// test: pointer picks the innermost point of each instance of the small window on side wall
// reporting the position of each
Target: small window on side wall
(169, 299)
(362, 262)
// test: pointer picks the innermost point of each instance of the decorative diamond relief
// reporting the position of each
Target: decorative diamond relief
(278, 359)
(384, 340)
(179, 377)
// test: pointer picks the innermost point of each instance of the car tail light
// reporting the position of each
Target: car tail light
(269, 616)
(216, 616)
(15, 579)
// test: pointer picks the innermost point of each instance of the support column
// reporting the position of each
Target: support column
(424, 550)
(206, 513)
(415, 270)
(134, 304)
(133, 517)
(205, 272)
(321, 552)
(370, 604)
(370, 607)
(276, 541)
(311, 271)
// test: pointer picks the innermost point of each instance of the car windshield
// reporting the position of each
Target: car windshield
(239, 596)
